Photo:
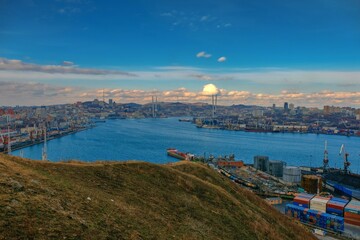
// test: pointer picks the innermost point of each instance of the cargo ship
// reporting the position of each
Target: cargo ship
(341, 181)
(185, 120)
(173, 152)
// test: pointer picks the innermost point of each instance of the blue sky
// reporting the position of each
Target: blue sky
(268, 47)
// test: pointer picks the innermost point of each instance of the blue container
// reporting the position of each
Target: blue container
(316, 218)
(335, 212)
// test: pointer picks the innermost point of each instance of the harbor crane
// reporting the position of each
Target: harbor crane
(345, 156)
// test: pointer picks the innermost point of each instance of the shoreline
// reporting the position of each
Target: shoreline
(275, 132)
(30, 143)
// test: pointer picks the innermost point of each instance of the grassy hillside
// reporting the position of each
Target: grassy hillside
(131, 200)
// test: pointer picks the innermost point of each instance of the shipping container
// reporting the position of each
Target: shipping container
(315, 218)
(352, 212)
(303, 200)
(319, 203)
(274, 200)
(336, 206)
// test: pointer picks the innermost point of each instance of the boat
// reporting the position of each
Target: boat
(172, 152)
(185, 120)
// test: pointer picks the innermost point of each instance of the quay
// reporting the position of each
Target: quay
(28, 143)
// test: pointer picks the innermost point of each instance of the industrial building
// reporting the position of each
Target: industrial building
(275, 168)
(292, 174)
(272, 167)
(261, 163)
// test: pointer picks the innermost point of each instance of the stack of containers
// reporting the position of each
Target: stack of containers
(352, 213)
(336, 206)
(319, 203)
(303, 200)
(294, 211)
(316, 218)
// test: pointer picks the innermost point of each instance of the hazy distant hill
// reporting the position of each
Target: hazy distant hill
(131, 200)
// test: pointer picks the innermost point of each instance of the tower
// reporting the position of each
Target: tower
(213, 105)
(154, 106)
(326, 160)
(9, 138)
(44, 150)
(286, 106)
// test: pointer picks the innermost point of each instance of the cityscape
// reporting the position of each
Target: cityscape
(200, 119)
(25, 125)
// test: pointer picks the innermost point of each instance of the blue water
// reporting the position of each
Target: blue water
(148, 139)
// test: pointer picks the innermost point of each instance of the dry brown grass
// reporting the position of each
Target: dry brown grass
(131, 200)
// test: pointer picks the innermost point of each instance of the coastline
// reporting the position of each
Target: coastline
(30, 143)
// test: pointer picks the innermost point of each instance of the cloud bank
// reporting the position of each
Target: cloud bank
(66, 68)
(17, 93)
(27, 83)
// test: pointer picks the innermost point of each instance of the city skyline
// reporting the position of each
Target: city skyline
(256, 53)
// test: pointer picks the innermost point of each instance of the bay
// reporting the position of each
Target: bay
(148, 139)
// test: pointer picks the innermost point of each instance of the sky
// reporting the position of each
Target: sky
(256, 52)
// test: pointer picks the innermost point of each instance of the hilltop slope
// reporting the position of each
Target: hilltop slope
(131, 200)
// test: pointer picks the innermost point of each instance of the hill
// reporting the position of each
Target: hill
(131, 200)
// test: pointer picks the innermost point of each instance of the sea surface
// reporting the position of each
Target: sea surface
(148, 139)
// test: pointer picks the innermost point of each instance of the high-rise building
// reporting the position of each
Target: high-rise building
(326, 109)
(291, 106)
(275, 168)
(110, 102)
(258, 113)
(261, 163)
(286, 106)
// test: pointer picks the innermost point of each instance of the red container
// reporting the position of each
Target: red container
(335, 206)
(303, 200)
(353, 222)
(352, 216)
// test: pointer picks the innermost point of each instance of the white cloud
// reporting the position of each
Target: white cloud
(66, 68)
(210, 89)
(203, 55)
(67, 63)
(221, 59)
(202, 77)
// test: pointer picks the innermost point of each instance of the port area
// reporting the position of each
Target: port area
(262, 183)
(23, 141)
(278, 194)
(274, 190)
